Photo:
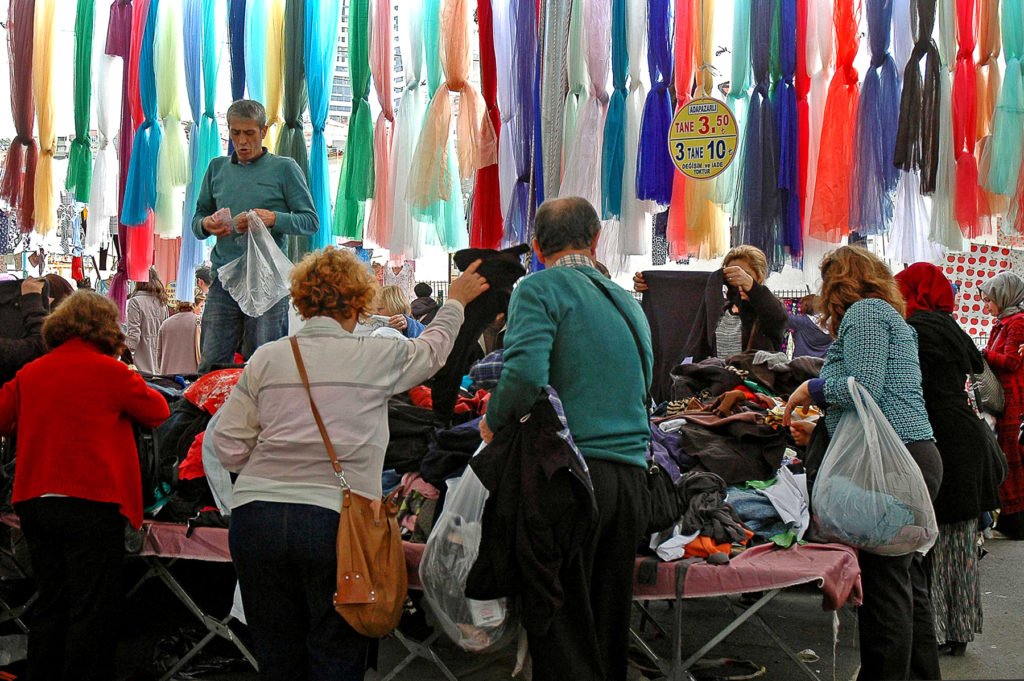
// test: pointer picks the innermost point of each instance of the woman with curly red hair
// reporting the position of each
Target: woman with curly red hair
(77, 481)
(287, 499)
(863, 309)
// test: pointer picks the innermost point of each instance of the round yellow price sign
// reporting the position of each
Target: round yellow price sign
(702, 138)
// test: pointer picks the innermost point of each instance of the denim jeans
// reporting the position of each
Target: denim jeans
(227, 330)
(285, 558)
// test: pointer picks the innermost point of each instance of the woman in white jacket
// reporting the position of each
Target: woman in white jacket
(287, 499)
(145, 312)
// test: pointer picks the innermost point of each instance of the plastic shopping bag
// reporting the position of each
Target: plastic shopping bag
(258, 279)
(869, 493)
(449, 555)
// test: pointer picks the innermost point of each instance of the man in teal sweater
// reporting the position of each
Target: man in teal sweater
(274, 188)
(569, 327)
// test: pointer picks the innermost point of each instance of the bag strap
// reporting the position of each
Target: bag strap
(316, 414)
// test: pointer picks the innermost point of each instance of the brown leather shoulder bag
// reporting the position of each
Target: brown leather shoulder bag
(372, 581)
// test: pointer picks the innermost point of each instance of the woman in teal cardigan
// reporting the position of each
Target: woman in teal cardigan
(862, 308)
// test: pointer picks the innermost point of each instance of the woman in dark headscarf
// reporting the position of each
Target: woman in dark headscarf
(1002, 295)
(970, 481)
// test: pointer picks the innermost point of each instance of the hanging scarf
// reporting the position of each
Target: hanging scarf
(236, 47)
(79, 177)
(407, 230)
(45, 208)
(255, 44)
(119, 43)
(739, 95)
(684, 65)
(874, 174)
(803, 105)
(988, 85)
(634, 225)
(784, 104)
(944, 229)
(274, 71)
(917, 135)
(140, 192)
(830, 212)
(519, 126)
(486, 225)
(757, 213)
(173, 165)
(655, 169)
(1015, 215)
(357, 168)
(576, 70)
(378, 226)
(969, 200)
(1008, 121)
(613, 153)
(819, 63)
(556, 18)
(430, 179)
(102, 198)
(291, 141)
(19, 170)
(319, 48)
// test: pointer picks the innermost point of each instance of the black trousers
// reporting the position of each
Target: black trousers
(286, 562)
(896, 621)
(77, 548)
(589, 636)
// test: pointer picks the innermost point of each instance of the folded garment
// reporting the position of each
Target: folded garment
(702, 498)
(774, 360)
(756, 511)
(668, 453)
(449, 452)
(738, 448)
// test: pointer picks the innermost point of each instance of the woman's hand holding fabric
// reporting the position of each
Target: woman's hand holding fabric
(469, 286)
(801, 397)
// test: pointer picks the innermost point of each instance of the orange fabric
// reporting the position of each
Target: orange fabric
(685, 57)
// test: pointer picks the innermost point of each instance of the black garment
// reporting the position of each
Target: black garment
(737, 448)
(449, 452)
(77, 547)
(710, 377)
(174, 437)
(410, 429)
(702, 498)
(781, 381)
(424, 309)
(537, 519)
(286, 562)
(501, 269)
(972, 461)
(21, 328)
(896, 621)
(588, 638)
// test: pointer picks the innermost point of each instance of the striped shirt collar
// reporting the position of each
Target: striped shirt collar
(573, 260)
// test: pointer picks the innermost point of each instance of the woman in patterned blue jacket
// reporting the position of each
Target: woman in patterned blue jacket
(863, 309)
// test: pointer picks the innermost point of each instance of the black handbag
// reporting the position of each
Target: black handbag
(664, 504)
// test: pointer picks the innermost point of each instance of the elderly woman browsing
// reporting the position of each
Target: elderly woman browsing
(287, 499)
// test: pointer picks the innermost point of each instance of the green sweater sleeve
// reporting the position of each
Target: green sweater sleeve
(301, 217)
(205, 205)
(528, 343)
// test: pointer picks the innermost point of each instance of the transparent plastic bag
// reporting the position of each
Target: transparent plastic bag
(448, 557)
(258, 279)
(869, 493)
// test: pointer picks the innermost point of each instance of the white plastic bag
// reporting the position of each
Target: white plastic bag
(869, 493)
(448, 557)
(258, 279)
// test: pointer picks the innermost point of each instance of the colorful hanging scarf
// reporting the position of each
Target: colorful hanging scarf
(1008, 121)
(684, 65)
(969, 199)
(319, 53)
(917, 135)
(256, 34)
(173, 165)
(357, 167)
(803, 104)
(830, 212)
(19, 170)
(274, 71)
(518, 126)
(407, 230)
(553, 88)
(655, 169)
(45, 207)
(613, 154)
(236, 46)
(378, 225)
(784, 105)
(988, 80)
(291, 141)
(79, 177)
(944, 229)
(874, 174)
(738, 97)
(191, 248)
(634, 225)
(119, 43)
(486, 224)
(140, 192)
(819, 64)
(102, 198)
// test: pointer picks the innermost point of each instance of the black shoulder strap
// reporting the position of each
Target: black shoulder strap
(632, 330)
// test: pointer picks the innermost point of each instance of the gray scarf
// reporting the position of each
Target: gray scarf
(1006, 290)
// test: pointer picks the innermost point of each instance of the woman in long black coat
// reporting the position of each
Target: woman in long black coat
(970, 453)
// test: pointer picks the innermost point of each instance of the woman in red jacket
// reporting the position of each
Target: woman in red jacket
(77, 480)
(1003, 294)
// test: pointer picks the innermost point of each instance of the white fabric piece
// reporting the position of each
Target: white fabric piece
(902, 34)
(674, 547)
(107, 88)
(790, 499)
(634, 223)
(944, 228)
(908, 238)
(672, 426)
(502, 24)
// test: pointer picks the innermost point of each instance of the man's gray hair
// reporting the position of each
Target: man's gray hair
(247, 110)
(569, 223)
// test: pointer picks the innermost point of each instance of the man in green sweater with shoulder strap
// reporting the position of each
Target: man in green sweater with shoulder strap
(274, 188)
(571, 328)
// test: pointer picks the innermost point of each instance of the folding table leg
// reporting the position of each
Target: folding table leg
(786, 649)
(14, 614)
(417, 649)
(680, 667)
(213, 626)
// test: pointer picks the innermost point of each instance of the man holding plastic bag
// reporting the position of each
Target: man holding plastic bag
(882, 469)
(250, 201)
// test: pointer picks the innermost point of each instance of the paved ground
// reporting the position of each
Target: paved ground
(796, 617)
